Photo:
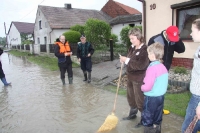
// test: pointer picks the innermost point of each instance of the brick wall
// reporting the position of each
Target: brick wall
(185, 62)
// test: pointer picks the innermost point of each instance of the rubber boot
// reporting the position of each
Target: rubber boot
(70, 80)
(89, 77)
(63, 81)
(152, 129)
(5, 82)
(85, 75)
(132, 114)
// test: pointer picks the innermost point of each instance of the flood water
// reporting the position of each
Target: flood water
(37, 102)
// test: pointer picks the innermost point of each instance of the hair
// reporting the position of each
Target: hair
(157, 49)
(136, 32)
(197, 23)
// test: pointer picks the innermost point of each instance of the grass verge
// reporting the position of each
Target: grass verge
(50, 63)
(175, 103)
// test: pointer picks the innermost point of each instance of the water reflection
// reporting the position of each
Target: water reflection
(38, 103)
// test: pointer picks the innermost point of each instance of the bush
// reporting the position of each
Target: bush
(180, 70)
(72, 36)
(79, 28)
(97, 32)
(114, 38)
(124, 35)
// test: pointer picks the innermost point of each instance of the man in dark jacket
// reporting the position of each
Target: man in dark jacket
(84, 53)
(171, 41)
(2, 75)
(63, 52)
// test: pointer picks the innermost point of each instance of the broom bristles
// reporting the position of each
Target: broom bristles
(109, 123)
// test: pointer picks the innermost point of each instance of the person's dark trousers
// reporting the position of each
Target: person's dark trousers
(86, 66)
(63, 68)
(135, 98)
(152, 113)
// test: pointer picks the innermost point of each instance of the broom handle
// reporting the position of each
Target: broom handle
(120, 74)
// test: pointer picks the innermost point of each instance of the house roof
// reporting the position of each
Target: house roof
(63, 18)
(114, 9)
(23, 27)
(126, 19)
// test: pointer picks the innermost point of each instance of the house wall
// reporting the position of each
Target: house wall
(13, 37)
(160, 18)
(46, 31)
(116, 29)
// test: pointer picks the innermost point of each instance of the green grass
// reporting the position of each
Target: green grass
(50, 63)
(175, 103)
(113, 89)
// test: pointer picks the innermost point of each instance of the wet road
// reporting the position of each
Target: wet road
(38, 103)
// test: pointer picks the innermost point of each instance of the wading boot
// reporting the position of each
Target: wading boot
(85, 75)
(70, 80)
(5, 82)
(63, 81)
(89, 77)
(132, 114)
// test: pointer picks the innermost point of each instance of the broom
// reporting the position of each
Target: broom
(111, 120)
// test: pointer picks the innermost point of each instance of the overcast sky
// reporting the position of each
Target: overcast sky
(25, 10)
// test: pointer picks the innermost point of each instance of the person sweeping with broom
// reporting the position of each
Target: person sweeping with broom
(137, 62)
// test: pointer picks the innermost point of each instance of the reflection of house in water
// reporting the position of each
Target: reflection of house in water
(180, 13)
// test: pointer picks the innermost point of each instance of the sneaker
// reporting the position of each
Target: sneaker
(138, 125)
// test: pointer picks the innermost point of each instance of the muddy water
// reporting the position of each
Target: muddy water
(38, 103)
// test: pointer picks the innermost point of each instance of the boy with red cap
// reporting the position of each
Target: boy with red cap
(171, 41)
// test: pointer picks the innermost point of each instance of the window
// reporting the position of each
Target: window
(185, 18)
(45, 40)
(40, 24)
(38, 40)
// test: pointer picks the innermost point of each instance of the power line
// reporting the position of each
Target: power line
(30, 11)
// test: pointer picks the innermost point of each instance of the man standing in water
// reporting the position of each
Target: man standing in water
(84, 53)
(63, 52)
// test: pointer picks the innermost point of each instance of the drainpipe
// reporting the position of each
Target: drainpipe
(172, 16)
(144, 17)
(50, 36)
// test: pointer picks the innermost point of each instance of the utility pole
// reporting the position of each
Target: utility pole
(6, 35)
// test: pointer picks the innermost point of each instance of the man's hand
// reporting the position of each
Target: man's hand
(79, 59)
(198, 112)
(89, 55)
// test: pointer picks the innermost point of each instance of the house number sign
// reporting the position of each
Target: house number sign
(152, 6)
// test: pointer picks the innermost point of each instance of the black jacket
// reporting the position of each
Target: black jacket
(169, 48)
(61, 56)
(88, 49)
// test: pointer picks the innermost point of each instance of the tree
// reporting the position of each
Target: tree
(26, 38)
(124, 35)
(97, 31)
(3, 41)
(79, 28)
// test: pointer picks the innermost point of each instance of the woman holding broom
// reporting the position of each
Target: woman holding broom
(137, 62)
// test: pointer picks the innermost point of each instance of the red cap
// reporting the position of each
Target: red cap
(172, 33)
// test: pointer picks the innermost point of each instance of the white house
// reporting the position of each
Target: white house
(16, 31)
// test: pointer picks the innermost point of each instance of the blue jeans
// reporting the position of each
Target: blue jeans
(190, 113)
(152, 110)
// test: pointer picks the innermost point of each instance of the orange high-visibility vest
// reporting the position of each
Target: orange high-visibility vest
(64, 48)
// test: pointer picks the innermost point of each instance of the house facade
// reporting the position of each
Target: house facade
(181, 13)
(18, 31)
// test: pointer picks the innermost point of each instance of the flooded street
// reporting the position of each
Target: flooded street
(37, 102)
